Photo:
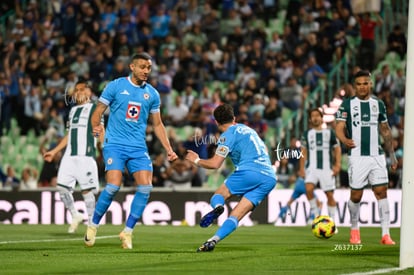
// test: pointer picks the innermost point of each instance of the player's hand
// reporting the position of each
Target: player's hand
(349, 143)
(394, 162)
(191, 156)
(336, 170)
(97, 130)
(48, 156)
(171, 156)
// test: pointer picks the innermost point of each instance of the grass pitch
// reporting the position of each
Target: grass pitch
(261, 249)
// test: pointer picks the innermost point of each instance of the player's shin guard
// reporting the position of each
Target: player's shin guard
(138, 204)
(89, 199)
(216, 199)
(228, 227)
(384, 214)
(354, 213)
(104, 201)
(67, 199)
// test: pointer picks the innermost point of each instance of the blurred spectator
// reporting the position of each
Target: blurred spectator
(366, 53)
(180, 174)
(383, 80)
(159, 170)
(28, 179)
(177, 113)
(258, 124)
(32, 112)
(273, 113)
(397, 42)
(291, 95)
(160, 23)
(9, 179)
(313, 73)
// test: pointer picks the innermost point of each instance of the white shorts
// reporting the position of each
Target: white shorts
(365, 170)
(324, 177)
(81, 169)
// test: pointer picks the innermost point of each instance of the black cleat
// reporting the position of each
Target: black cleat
(207, 246)
(211, 216)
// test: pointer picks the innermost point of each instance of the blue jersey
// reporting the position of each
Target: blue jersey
(130, 106)
(245, 148)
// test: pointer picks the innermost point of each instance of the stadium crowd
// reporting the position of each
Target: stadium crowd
(205, 53)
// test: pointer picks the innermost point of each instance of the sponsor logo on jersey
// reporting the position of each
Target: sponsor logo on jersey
(146, 96)
(125, 92)
(222, 151)
(109, 161)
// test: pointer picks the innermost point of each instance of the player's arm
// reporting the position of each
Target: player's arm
(302, 160)
(340, 134)
(49, 155)
(212, 163)
(385, 132)
(96, 118)
(336, 168)
(161, 133)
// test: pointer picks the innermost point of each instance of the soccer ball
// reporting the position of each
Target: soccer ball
(323, 227)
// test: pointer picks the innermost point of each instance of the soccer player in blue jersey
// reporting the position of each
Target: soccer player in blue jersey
(298, 191)
(253, 178)
(131, 101)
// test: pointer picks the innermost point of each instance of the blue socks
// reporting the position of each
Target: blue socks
(217, 199)
(138, 205)
(104, 201)
(228, 227)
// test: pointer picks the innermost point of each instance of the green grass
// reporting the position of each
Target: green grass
(262, 249)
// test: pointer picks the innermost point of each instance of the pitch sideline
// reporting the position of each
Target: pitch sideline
(55, 240)
(378, 271)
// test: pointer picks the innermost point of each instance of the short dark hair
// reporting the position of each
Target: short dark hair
(224, 114)
(142, 55)
(362, 73)
(317, 109)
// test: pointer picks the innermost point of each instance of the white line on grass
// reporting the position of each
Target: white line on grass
(378, 271)
(54, 240)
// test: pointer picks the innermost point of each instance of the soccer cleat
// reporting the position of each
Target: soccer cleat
(209, 218)
(76, 220)
(90, 235)
(126, 239)
(283, 212)
(386, 239)
(355, 237)
(207, 246)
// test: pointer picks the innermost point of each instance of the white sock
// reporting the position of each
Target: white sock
(67, 199)
(384, 214)
(89, 199)
(331, 211)
(354, 213)
(314, 207)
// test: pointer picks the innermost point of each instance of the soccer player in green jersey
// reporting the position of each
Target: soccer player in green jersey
(321, 162)
(361, 120)
(78, 162)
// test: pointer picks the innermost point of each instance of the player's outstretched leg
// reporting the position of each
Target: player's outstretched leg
(211, 216)
(207, 246)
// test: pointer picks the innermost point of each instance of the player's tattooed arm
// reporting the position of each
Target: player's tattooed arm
(386, 134)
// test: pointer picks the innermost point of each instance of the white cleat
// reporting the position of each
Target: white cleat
(126, 239)
(76, 220)
(90, 236)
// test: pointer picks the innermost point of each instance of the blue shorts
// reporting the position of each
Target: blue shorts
(252, 185)
(300, 188)
(118, 157)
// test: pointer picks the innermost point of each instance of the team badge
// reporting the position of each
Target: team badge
(146, 96)
(133, 111)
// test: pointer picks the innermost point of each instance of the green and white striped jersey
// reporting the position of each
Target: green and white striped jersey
(319, 144)
(81, 141)
(363, 118)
